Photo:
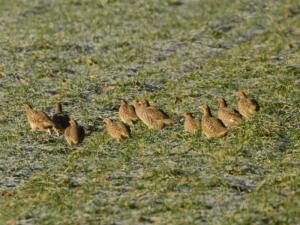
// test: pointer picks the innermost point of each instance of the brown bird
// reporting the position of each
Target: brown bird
(211, 126)
(60, 119)
(116, 130)
(229, 117)
(247, 106)
(191, 124)
(139, 108)
(74, 134)
(39, 121)
(127, 113)
(152, 117)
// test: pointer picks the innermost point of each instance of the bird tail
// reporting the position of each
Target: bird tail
(254, 108)
(223, 133)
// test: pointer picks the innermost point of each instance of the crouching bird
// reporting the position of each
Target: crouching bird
(211, 126)
(153, 118)
(116, 130)
(229, 117)
(74, 134)
(127, 113)
(191, 125)
(247, 107)
(39, 121)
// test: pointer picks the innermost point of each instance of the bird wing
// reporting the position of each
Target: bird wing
(197, 123)
(192, 124)
(214, 125)
(156, 114)
(232, 114)
(67, 134)
(130, 111)
(123, 129)
(41, 117)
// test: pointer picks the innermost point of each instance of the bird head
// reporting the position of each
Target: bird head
(27, 106)
(123, 101)
(205, 109)
(241, 94)
(107, 120)
(144, 102)
(222, 102)
(135, 103)
(187, 115)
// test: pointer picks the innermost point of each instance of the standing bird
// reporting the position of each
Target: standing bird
(116, 130)
(74, 134)
(211, 126)
(247, 106)
(191, 124)
(60, 119)
(39, 121)
(127, 113)
(229, 117)
(152, 117)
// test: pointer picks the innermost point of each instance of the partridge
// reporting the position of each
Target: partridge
(152, 117)
(116, 130)
(211, 126)
(60, 119)
(247, 106)
(139, 108)
(229, 117)
(74, 134)
(191, 124)
(39, 121)
(127, 113)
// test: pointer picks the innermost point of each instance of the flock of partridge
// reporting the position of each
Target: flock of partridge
(153, 118)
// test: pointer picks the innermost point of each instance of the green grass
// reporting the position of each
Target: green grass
(178, 56)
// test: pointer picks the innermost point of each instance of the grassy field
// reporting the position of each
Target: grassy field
(180, 55)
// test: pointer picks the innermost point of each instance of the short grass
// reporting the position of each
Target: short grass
(91, 53)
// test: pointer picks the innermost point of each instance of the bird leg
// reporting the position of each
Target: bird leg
(56, 131)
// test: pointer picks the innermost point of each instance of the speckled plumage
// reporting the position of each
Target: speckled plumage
(191, 124)
(228, 116)
(211, 126)
(60, 119)
(39, 121)
(117, 130)
(74, 134)
(127, 113)
(247, 107)
(153, 118)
